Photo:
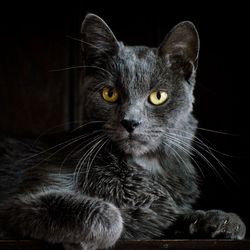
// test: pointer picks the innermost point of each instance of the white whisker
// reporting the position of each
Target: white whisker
(90, 44)
(86, 124)
(86, 155)
(68, 143)
(80, 67)
(216, 132)
(186, 151)
(201, 145)
(89, 164)
(93, 140)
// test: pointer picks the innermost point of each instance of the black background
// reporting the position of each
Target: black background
(222, 81)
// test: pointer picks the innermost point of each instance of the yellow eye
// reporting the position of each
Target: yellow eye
(110, 94)
(158, 97)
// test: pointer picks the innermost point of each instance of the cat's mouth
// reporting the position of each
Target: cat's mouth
(133, 144)
(130, 139)
(135, 138)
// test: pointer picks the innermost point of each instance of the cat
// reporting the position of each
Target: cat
(127, 171)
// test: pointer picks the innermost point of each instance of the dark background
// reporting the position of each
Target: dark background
(34, 39)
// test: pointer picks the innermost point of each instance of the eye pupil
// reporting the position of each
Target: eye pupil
(110, 93)
(158, 95)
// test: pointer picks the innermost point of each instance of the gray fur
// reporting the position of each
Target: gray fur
(109, 184)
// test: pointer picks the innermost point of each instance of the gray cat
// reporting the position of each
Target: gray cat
(127, 172)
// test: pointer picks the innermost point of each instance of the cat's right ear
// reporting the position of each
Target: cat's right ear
(98, 41)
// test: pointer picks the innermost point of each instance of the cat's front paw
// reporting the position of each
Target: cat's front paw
(217, 224)
(104, 227)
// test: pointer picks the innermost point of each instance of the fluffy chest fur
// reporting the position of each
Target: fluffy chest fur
(130, 182)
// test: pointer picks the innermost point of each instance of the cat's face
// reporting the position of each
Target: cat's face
(137, 92)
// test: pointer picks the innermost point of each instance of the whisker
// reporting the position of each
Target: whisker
(84, 125)
(53, 128)
(87, 167)
(80, 67)
(196, 140)
(176, 154)
(82, 41)
(54, 147)
(90, 44)
(217, 132)
(89, 164)
(98, 150)
(74, 151)
(203, 157)
(84, 157)
(91, 94)
(199, 143)
(81, 149)
(65, 146)
(187, 152)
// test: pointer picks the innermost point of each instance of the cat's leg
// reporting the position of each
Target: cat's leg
(214, 224)
(77, 221)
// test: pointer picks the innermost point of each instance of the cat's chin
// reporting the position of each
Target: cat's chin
(133, 147)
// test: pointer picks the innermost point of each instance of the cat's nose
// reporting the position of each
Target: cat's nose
(130, 125)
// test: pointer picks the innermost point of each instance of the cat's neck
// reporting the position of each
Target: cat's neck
(147, 162)
(163, 163)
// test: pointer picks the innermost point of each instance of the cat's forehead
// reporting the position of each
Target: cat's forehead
(136, 66)
(140, 52)
(137, 55)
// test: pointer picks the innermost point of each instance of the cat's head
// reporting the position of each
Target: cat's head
(139, 93)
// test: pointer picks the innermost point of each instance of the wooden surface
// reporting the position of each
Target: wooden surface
(139, 245)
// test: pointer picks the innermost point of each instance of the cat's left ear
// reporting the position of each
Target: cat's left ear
(181, 46)
(98, 41)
